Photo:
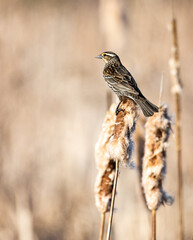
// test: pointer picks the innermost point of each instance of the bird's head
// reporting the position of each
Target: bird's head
(108, 56)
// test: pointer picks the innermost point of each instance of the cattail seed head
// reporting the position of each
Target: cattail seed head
(158, 129)
(105, 165)
(121, 144)
(114, 144)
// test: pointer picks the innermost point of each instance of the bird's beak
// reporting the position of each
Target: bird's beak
(99, 56)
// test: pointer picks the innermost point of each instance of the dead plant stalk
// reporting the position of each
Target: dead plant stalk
(154, 224)
(177, 90)
(102, 226)
(113, 200)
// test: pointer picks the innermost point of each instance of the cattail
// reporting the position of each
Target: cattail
(121, 145)
(177, 92)
(158, 128)
(114, 146)
(174, 61)
(105, 165)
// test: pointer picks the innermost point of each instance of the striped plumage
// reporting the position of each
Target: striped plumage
(120, 80)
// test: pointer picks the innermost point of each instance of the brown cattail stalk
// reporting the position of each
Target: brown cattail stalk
(113, 200)
(102, 226)
(158, 129)
(154, 224)
(176, 90)
(120, 144)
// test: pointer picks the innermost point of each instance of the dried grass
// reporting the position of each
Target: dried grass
(177, 91)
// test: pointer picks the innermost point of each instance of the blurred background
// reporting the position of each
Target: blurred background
(53, 101)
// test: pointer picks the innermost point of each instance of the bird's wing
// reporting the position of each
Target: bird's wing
(123, 79)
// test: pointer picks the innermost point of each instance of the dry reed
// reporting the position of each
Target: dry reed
(158, 129)
(177, 90)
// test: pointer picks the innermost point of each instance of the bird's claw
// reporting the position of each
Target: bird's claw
(118, 110)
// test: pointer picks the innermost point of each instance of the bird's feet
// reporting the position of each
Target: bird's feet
(118, 109)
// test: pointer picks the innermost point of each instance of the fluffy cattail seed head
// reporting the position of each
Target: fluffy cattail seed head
(114, 144)
(158, 129)
(105, 165)
(121, 145)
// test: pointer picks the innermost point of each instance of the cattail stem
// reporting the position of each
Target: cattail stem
(179, 160)
(161, 90)
(102, 226)
(176, 89)
(113, 200)
(153, 224)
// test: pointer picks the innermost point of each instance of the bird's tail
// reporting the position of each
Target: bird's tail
(146, 106)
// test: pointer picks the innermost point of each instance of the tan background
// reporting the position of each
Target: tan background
(53, 101)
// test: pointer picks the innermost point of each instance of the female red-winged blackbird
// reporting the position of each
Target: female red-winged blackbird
(120, 80)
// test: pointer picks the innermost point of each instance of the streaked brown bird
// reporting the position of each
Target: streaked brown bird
(120, 80)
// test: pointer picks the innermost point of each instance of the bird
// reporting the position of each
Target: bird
(121, 82)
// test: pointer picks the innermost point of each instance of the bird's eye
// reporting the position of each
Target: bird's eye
(104, 55)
